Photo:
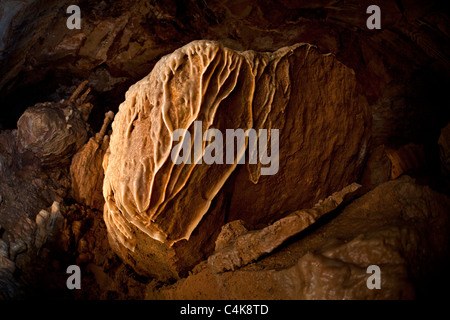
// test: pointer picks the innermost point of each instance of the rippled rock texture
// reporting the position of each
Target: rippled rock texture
(155, 209)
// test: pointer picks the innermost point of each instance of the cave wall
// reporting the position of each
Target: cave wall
(401, 70)
(120, 41)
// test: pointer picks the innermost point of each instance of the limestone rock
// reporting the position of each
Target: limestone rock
(402, 69)
(26, 186)
(48, 223)
(154, 207)
(249, 246)
(16, 248)
(86, 169)
(399, 226)
(230, 232)
(405, 158)
(4, 248)
(9, 289)
(55, 131)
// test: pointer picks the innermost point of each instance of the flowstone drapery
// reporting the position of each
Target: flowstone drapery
(163, 218)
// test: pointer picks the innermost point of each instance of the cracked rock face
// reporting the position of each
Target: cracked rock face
(157, 212)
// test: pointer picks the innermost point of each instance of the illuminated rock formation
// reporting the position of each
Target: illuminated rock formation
(154, 207)
(86, 168)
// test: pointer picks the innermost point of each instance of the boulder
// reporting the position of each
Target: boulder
(54, 132)
(162, 217)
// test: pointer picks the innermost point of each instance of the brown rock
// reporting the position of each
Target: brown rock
(54, 132)
(9, 10)
(48, 224)
(249, 246)
(399, 226)
(24, 190)
(95, 49)
(45, 131)
(122, 40)
(386, 163)
(86, 169)
(153, 206)
(377, 169)
(405, 158)
(230, 232)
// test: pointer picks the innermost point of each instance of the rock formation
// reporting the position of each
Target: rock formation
(247, 246)
(444, 147)
(48, 224)
(54, 132)
(378, 168)
(86, 170)
(34, 161)
(397, 226)
(153, 204)
(200, 212)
